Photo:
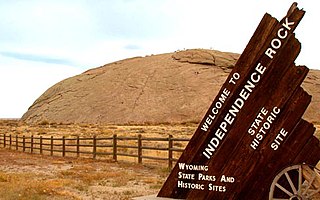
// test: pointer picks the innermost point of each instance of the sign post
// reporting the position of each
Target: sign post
(254, 127)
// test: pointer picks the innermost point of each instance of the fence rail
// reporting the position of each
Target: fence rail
(116, 146)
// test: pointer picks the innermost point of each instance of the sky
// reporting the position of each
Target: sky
(43, 42)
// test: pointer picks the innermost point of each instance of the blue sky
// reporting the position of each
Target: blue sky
(43, 42)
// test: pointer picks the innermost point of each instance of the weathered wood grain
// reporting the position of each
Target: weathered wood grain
(235, 151)
(267, 80)
(253, 50)
(296, 140)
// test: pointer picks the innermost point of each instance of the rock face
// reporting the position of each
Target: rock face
(168, 88)
(312, 85)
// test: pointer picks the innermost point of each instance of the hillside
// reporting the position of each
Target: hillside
(167, 88)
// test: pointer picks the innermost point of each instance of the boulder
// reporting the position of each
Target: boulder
(166, 88)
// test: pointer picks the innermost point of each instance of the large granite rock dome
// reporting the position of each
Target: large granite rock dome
(167, 88)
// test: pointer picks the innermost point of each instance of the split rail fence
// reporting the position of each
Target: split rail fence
(160, 149)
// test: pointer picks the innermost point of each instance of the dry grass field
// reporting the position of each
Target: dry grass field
(32, 176)
(88, 130)
(70, 131)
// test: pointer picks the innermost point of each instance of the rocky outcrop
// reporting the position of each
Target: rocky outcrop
(312, 85)
(167, 88)
(196, 56)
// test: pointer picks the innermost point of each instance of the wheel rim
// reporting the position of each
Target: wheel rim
(297, 182)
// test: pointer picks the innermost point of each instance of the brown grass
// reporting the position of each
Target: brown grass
(47, 129)
(31, 186)
(32, 176)
(87, 130)
(29, 176)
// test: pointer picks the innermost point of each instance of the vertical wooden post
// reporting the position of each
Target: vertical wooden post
(4, 140)
(40, 144)
(17, 142)
(63, 146)
(78, 146)
(94, 150)
(31, 144)
(10, 141)
(139, 149)
(170, 146)
(24, 143)
(115, 147)
(51, 145)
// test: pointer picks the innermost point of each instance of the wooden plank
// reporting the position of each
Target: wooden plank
(294, 76)
(284, 157)
(94, 147)
(251, 54)
(228, 158)
(240, 75)
(246, 59)
(170, 153)
(302, 157)
(246, 162)
(114, 143)
(139, 149)
(308, 173)
(310, 154)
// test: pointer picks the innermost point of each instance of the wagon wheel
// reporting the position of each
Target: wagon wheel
(297, 182)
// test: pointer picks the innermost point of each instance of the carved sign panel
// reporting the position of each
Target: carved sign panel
(254, 127)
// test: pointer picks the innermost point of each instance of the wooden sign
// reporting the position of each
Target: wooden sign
(253, 129)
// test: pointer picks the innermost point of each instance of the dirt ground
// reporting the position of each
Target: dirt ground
(30, 177)
(25, 176)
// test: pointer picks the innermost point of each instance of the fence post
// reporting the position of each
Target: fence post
(78, 146)
(4, 140)
(63, 146)
(115, 147)
(51, 145)
(17, 143)
(24, 143)
(31, 144)
(139, 149)
(94, 150)
(40, 144)
(170, 146)
(10, 141)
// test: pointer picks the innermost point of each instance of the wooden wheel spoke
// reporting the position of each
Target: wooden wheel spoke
(284, 189)
(294, 190)
(297, 182)
(300, 180)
